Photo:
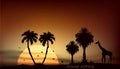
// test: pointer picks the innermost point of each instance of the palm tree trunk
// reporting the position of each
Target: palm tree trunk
(46, 52)
(71, 59)
(30, 52)
(84, 55)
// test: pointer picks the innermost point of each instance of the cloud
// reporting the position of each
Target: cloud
(9, 57)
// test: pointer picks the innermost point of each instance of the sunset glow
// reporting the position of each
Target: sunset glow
(38, 53)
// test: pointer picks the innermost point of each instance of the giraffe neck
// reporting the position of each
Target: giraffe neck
(101, 47)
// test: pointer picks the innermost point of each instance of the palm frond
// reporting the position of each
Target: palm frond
(35, 40)
(84, 37)
(46, 37)
(72, 48)
(53, 38)
(26, 33)
(29, 36)
(51, 41)
(43, 43)
(24, 39)
(31, 41)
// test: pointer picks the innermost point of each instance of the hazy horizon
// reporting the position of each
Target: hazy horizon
(11, 57)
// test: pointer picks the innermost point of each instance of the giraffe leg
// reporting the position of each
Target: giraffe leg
(102, 59)
(110, 58)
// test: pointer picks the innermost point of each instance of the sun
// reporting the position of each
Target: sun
(38, 53)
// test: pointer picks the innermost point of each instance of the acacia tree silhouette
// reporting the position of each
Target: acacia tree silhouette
(84, 38)
(45, 38)
(30, 37)
(72, 48)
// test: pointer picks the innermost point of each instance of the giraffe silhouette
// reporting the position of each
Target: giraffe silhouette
(104, 53)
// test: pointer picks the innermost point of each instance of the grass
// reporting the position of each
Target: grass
(69, 66)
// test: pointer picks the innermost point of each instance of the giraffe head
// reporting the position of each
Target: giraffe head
(97, 42)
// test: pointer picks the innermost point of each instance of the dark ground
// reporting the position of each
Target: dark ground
(74, 66)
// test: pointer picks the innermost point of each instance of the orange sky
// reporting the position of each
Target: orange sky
(64, 18)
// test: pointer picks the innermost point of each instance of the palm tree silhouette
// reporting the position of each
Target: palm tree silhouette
(72, 48)
(45, 38)
(30, 37)
(84, 38)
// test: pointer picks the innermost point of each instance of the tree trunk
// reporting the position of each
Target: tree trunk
(84, 55)
(72, 59)
(46, 52)
(30, 52)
